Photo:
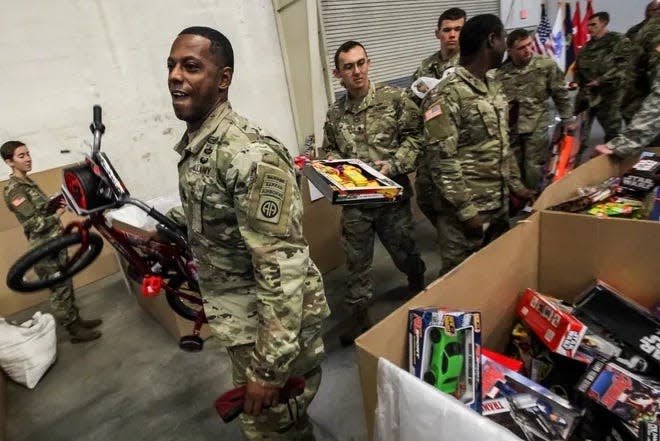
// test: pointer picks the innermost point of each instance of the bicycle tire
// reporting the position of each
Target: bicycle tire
(17, 272)
(178, 305)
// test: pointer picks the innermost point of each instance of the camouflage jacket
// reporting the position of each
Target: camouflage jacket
(606, 61)
(631, 34)
(644, 57)
(28, 202)
(531, 86)
(385, 125)
(243, 209)
(466, 145)
(435, 66)
(643, 128)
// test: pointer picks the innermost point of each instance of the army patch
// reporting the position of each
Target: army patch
(18, 201)
(200, 169)
(270, 200)
(434, 111)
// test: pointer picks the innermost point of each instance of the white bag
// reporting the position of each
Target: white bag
(28, 350)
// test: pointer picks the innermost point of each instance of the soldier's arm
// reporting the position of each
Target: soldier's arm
(410, 137)
(441, 122)
(643, 128)
(329, 148)
(32, 217)
(559, 92)
(619, 60)
(267, 205)
(515, 181)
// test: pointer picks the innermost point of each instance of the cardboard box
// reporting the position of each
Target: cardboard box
(590, 173)
(14, 245)
(3, 405)
(337, 192)
(550, 252)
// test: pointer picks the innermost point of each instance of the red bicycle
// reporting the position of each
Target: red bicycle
(161, 262)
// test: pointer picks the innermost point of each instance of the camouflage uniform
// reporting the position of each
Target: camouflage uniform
(644, 127)
(639, 75)
(263, 295)
(528, 88)
(28, 202)
(434, 66)
(467, 157)
(631, 34)
(604, 60)
(384, 125)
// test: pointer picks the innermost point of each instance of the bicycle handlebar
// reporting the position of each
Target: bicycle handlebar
(97, 128)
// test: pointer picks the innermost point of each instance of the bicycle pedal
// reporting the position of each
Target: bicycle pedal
(191, 343)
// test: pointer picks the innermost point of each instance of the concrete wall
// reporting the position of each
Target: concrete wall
(63, 56)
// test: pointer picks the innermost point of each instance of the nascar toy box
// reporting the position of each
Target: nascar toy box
(351, 181)
(445, 351)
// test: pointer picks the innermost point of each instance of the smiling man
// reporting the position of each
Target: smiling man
(263, 295)
(528, 81)
(380, 125)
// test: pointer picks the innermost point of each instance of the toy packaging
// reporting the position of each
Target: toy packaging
(633, 398)
(351, 181)
(558, 329)
(445, 350)
(644, 175)
(537, 412)
(625, 320)
(649, 431)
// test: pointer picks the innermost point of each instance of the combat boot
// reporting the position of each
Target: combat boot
(416, 276)
(80, 334)
(358, 325)
(89, 324)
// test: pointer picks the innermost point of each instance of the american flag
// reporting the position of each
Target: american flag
(542, 32)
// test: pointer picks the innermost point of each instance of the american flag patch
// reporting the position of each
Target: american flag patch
(433, 112)
(18, 201)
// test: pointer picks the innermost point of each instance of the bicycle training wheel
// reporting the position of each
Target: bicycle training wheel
(27, 273)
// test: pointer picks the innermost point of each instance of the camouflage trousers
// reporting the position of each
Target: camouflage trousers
(285, 422)
(393, 223)
(457, 242)
(423, 192)
(62, 297)
(532, 153)
(608, 114)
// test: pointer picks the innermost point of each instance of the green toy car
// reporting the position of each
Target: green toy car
(446, 361)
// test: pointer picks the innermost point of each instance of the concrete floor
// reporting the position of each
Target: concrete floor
(136, 384)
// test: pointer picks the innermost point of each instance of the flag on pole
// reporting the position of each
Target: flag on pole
(579, 33)
(542, 32)
(555, 46)
(584, 24)
(568, 28)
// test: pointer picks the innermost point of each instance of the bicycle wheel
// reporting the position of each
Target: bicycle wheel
(188, 307)
(22, 275)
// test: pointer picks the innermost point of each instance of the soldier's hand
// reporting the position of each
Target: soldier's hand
(384, 167)
(525, 193)
(593, 83)
(257, 397)
(570, 127)
(475, 223)
(601, 149)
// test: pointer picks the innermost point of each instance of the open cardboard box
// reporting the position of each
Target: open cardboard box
(590, 173)
(558, 254)
(14, 244)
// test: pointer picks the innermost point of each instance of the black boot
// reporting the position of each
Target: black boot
(89, 324)
(358, 325)
(80, 334)
(416, 271)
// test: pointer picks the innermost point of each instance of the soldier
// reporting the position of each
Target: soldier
(380, 125)
(644, 127)
(40, 223)
(528, 81)
(600, 68)
(651, 10)
(638, 78)
(450, 24)
(436, 66)
(466, 146)
(263, 295)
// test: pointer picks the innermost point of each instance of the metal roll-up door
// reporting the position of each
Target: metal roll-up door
(398, 34)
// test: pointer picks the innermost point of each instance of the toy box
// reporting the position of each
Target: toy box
(445, 351)
(538, 412)
(559, 330)
(644, 175)
(633, 398)
(351, 181)
(627, 321)
(649, 431)
(654, 212)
